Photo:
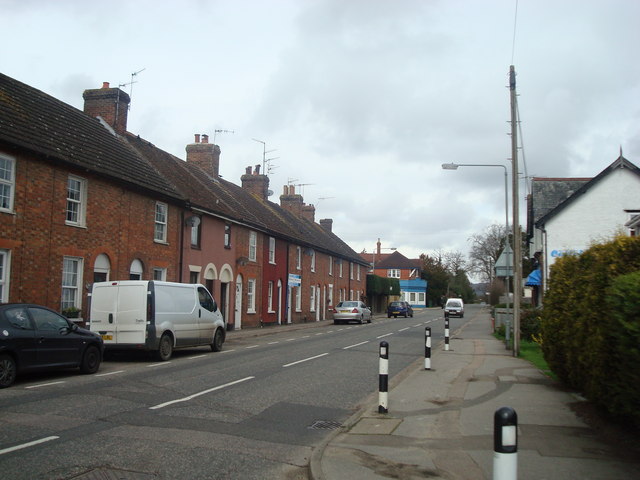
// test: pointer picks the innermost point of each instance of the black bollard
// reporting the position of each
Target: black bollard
(383, 396)
(505, 444)
(446, 332)
(427, 348)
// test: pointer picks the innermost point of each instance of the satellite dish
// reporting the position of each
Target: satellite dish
(269, 193)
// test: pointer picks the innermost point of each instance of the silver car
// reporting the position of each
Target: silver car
(351, 311)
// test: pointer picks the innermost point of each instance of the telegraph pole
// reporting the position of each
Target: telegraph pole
(517, 238)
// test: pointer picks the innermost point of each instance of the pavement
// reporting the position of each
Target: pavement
(439, 423)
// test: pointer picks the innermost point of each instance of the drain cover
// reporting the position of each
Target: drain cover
(324, 425)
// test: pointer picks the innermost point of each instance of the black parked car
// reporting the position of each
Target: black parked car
(399, 309)
(33, 337)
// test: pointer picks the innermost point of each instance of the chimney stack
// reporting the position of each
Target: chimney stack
(291, 201)
(204, 154)
(111, 104)
(256, 183)
(327, 224)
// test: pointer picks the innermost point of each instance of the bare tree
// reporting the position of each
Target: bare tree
(486, 248)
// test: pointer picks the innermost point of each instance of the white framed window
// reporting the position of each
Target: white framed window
(195, 232)
(71, 282)
(270, 298)
(251, 295)
(272, 250)
(351, 295)
(76, 201)
(351, 270)
(313, 260)
(393, 273)
(7, 182)
(299, 298)
(160, 230)
(160, 274)
(330, 294)
(227, 236)
(136, 269)
(312, 298)
(340, 268)
(253, 246)
(421, 297)
(101, 268)
(5, 269)
(330, 265)
(358, 272)
(298, 258)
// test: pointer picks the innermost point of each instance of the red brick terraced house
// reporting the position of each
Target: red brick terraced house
(83, 200)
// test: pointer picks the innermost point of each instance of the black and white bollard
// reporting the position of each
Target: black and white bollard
(505, 444)
(446, 332)
(383, 397)
(427, 348)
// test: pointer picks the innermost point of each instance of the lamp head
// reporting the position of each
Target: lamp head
(450, 166)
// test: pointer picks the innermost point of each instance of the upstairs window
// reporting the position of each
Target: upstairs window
(313, 260)
(7, 183)
(76, 200)
(393, 273)
(330, 265)
(298, 258)
(227, 236)
(272, 250)
(160, 231)
(253, 243)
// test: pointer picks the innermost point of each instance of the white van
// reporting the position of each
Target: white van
(155, 316)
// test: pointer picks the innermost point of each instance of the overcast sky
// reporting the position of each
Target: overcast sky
(359, 100)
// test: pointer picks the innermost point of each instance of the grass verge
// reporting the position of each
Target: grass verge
(531, 352)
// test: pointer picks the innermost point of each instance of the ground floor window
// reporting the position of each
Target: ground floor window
(71, 282)
(4, 276)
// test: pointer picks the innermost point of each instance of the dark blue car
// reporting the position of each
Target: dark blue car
(399, 309)
(37, 338)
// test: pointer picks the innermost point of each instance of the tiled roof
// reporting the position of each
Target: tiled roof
(225, 199)
(59, 133)
(620, 162)
(397, 260)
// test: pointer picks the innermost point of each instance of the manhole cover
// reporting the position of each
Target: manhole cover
(324, 425)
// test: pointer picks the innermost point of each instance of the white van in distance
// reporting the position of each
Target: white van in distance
(155, 316)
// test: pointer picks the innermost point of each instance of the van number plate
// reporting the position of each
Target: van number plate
(107, 337)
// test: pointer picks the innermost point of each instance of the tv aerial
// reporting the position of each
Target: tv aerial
(130, 84)
(219, 130)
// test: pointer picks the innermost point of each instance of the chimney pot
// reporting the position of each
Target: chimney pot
(105, 84)
(205, 138)
(197, 135)
(247, 170)
(257, 170)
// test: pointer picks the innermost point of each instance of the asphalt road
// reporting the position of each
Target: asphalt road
(253, 411)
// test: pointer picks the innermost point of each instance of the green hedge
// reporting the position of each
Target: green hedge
(382, 286)
(590, 324)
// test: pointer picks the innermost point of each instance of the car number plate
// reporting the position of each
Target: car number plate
(107, 337)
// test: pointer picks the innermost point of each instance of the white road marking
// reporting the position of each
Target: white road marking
(272, 343)
(44, 384)
(403, 329)
(385, 335)
(355, 345)
(26, 445)
(204, 392)
(305, 360)
(109, 373)
(197, 356)
(252, 346)
(158, 364)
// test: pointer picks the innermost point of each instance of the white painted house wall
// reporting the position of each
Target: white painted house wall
(594, 217)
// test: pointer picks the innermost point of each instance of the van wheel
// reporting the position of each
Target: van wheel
(90, 360)
(8, 370)
(165, 349)
(218, 340)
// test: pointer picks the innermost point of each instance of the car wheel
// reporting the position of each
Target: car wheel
(388, 316)
(361, 320)
(90, 360)
(406, 314)
(8, 370)
(165, 349)
(218, 340)
(411, 315)
(369, 320)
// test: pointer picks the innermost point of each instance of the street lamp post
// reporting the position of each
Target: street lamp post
(454, 166)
